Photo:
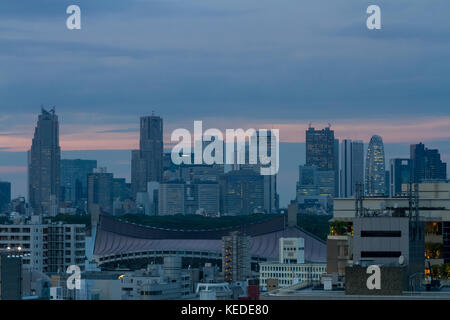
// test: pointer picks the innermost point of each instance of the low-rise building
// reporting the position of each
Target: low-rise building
(291, 268)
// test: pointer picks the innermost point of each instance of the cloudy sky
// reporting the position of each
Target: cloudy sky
(248, 63)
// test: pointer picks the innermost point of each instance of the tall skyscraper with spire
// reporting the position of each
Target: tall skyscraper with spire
(147, 162)
(44, 160)
(375, 183)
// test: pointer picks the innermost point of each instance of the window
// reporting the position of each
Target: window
(380, 254)
(381, 234)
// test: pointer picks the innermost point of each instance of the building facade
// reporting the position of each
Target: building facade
(242, 192)
(147, 162)
(351, 167)
(100, 191)
(74, 179)
(427, 163)
(375, 183)
(236, 259)
(322, 151)
(44, 165)
(5, 195)
(401, 172)
(46, 248)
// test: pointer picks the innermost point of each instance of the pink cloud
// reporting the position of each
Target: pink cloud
(92, 137)
(12, 169)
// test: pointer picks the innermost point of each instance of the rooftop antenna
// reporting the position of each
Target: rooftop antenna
(359, 197)
(310, 124)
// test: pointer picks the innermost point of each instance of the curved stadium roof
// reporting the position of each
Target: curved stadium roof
(117, 237)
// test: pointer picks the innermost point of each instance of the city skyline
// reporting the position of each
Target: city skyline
(229, 64)
(123, 167)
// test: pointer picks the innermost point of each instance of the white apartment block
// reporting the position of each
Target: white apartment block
(291, 267)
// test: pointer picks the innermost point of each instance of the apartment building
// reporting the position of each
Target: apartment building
(48, 248)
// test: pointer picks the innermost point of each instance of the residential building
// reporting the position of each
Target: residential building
(236, 258)
(46, 248)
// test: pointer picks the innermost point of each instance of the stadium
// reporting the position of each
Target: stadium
(120, 244)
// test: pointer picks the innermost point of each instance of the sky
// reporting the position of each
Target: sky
(233, 64)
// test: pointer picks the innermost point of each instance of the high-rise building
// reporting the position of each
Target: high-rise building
(236, 263)
(336, 168)
(44, 164)
(241, 192)
(74, 179)
(5, 194)
(387, 183)
(209, 197)
(401, 172)
(357, 164)
(375, 183)
(322, 152)
(315, 189)
(427, 163)
(147, 162)
(100, 191)
(271, 198)
(171, 199)
(121, 189)
(346, 176)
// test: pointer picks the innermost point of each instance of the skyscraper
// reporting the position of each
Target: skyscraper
(241, 192)
(74, 178)
(5, 194)
(375, 168)
(401, 172)
(357, 164)
(320, 148)
(171, 198)
(322, 151)
(271, 197)
(352, 167)
(44, 165)
(100, 191)
(427, 163)
(147, 162)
